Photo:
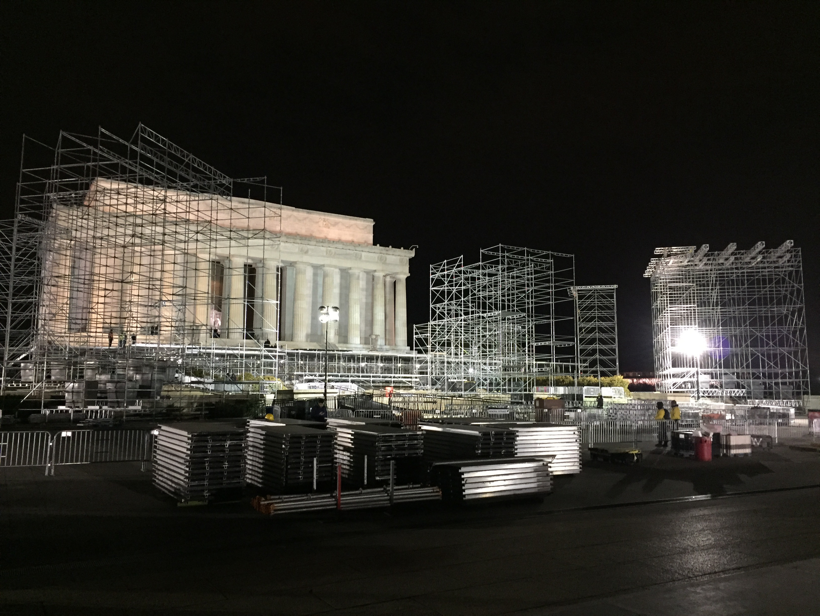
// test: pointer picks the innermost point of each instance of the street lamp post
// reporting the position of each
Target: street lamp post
(693, 344)
(327, 314)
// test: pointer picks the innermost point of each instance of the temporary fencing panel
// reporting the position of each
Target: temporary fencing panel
(24, 448)
(86, 446)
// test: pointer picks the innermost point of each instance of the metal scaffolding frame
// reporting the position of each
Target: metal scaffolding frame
(132, 270)
(498, 324)
(597, 330)
(748, 305)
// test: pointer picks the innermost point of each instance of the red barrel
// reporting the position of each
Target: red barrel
(703, 448)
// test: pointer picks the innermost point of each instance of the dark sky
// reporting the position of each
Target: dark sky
(601, 129)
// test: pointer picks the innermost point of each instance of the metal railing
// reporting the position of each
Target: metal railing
(40, 448)
(596, 430)
(24, 449)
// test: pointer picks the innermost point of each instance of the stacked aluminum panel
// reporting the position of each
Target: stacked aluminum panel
(363, 421)
(463, 442)
(199, 461)
(305, 423)
(473, 479)
(563, 442)
(365, 453)
(281, 457)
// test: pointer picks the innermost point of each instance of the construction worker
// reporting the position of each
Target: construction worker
(674, 414)
(662, 416)
(319, 411)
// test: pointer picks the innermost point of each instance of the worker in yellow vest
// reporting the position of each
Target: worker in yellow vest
(662, 416)
(674, 414)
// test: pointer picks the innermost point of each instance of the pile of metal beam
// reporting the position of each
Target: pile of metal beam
(278, 458)
(473, 479)
(358, 499)
(463, 442)
(199, 461)
(539, 440)
(365, 453)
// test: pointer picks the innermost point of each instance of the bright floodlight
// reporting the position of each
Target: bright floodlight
(328, 313)
(692, 343)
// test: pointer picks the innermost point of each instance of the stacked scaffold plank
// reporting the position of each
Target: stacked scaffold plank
(363, 421)
(199, 461)
(466, 480)
(443, 443)
(563, 442)
(366, 451)
(280, 457)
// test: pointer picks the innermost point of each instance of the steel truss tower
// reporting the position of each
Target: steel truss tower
(748, 305)
(498, 324)
(597, 326)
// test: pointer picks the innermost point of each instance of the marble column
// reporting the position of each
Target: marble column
(81, 287)
(302, 292)
(108, 289)
(401, 310)
(199, 276)
(378, 307)
(96, 326)
(331, 289)
(389, 312)
(235, 270)
(144, 294)
(267, 273)
(56, 283)
(354, 326)
(167, 296)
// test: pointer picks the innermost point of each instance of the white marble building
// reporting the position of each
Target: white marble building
(170, 267)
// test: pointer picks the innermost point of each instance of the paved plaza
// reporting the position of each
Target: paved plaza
(99, 539)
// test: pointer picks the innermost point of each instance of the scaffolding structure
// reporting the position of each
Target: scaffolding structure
(747, 304)
(497, 325)
(133, 272)
(597, 330)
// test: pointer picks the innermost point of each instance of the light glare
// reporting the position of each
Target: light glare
(692, 343)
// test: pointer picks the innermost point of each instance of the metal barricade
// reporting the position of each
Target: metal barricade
(25, 448)
(87, 446)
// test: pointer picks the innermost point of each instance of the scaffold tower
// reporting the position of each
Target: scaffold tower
(113, 283)
(749, 307)
(497, 325)
(597, 327)
(135, 274)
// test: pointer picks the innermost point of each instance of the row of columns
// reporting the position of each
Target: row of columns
(266, 295)
(121, 288)
(392, 322)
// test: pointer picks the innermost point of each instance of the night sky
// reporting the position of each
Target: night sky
(600, 129)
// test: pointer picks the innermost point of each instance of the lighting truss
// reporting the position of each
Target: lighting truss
(748, 304)
(597, 326)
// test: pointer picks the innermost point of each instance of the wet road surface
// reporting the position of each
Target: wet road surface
(130, 552)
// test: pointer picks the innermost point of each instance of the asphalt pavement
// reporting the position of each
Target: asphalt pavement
(671, 536)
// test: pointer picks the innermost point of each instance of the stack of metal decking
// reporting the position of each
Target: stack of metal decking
(199, 461)
(279, 457)
(365, 453)
(363, 421)
(463, 442)
(465, 480)
(563, 442)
